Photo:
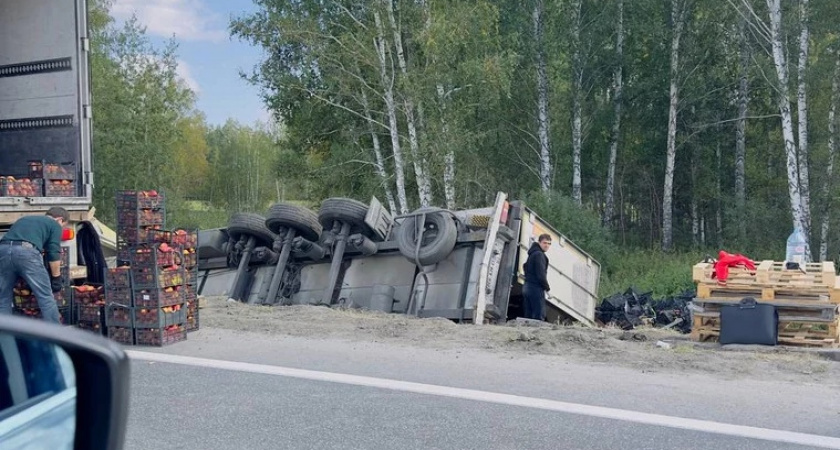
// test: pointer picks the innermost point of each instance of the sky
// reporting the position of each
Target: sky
(209, 60)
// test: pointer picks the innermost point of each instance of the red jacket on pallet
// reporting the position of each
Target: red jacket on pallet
(727, 260)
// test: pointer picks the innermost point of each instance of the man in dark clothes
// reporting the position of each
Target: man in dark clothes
(536, 281)
(20, 257)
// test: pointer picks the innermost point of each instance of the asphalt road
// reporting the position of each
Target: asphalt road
(176, 406)
(179, 407)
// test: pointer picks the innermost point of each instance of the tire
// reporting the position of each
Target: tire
(252, 225)
(346, 210)
(438, 239)
(302, 220)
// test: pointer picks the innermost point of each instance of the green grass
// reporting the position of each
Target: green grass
(662, 273)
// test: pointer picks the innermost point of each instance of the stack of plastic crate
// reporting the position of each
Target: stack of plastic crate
(146, 303)
(141, 215)
(187, 242)
(157, 282)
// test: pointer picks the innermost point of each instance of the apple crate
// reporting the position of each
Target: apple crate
(160, 317)
(129, 236)
(158, 297)
(192, 315)
(190, 294)
(89, 294)
(192, 322)
(51, 170)
(27, 301)
(64, 313)
(191, 276)
(117, 315)
(156, 255)
(158, 337)
(122, 335)
(90, 314)
(157, 277)
(118, 277)
(139, 218)
(21, 187)
(120, 295)
(187, 239)
(134, 200)
(60, 188)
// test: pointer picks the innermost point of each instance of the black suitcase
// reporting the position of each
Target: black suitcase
(749, 322)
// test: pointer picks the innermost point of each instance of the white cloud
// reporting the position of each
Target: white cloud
(185, 74)
(186, 19)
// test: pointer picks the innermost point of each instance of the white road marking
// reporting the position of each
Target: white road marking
(504, 399)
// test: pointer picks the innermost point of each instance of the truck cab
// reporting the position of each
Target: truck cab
(45, 115)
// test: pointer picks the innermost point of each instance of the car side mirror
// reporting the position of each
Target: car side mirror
(60, 387)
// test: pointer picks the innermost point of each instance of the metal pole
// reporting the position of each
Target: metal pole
(277, 277)
(235, 291)
(335, 266)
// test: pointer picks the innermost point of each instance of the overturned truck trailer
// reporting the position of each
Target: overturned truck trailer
(460, 265)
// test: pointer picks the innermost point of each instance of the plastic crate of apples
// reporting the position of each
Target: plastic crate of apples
(60, 188)
(24, 298)
(21, 187)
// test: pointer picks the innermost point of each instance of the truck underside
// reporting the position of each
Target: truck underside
(381, 271)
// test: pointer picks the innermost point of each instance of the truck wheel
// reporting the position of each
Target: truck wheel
(302, 220)
(438, 238)
(250, 224)
(345, 210)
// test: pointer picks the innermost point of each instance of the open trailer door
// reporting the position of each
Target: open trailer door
(572, 273)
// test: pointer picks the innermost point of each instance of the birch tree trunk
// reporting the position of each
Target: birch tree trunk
(377, 154)
(802, 103)
(424, 183)
(832, 154)
(741, 127)
(542, 99)
(390, 105)
(449, 158)
(678, 14)
(618, 90)
(577, 93)
(783, 100)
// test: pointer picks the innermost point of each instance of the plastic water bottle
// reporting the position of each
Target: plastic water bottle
(796, 247)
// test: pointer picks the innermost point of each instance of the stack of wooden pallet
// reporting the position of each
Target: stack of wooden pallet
(806, 300)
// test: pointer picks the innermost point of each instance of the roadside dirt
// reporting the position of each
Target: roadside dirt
(636, 349)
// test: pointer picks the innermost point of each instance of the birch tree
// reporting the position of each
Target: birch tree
(424, 183)
(615, 132)
(577, 94)
(679, 10)
(542, 97)
(391, 108)
(802, 104)
(783, 100)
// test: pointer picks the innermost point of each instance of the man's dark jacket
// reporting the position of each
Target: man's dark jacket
(536, 267)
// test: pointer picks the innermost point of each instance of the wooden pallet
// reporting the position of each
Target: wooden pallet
(765, 293)
(712, 335)
(788, 327)
(772, 274)
(793, 310)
